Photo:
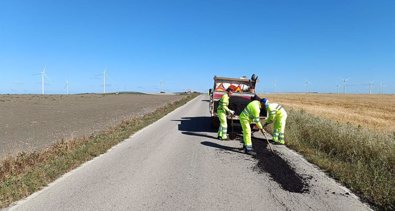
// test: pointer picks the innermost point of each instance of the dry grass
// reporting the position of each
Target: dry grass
(26, 173)
(362, 160)
(375, 112)
(351, 137)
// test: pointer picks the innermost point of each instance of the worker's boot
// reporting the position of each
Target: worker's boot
(248, 150)
(281, 138)
(219, 133)
(224, 138)
(224, 135)
(279, 142)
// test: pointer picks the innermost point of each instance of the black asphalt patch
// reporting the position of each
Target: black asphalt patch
(278, 169)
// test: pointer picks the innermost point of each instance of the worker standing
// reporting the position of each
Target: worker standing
(250, 115)
(221, 112)
(278, 115)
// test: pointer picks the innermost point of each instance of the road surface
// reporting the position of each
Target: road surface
(177, 164)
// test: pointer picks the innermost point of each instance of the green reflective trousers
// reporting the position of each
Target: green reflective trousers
(245, 125)
(223, 127)
(279, 128)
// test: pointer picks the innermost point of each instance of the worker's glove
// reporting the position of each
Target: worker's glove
(231, 112)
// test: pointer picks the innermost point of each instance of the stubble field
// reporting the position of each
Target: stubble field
(32, 122)
(376, 112)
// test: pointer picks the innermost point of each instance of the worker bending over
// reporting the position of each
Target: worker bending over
(250, 115)
(221, 112)
(278, 115)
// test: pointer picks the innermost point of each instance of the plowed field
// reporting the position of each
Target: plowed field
(30, 122)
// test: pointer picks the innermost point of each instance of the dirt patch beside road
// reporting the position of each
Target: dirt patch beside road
(31, 122)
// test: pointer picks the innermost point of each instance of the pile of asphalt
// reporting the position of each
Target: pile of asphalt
(279, 169)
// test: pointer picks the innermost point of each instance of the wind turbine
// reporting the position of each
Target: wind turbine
(162, 85)
(67, 87)
(344, 84)
(370, 87)
(306, 83)
(104, 81)
(382, 88)
(43, 77)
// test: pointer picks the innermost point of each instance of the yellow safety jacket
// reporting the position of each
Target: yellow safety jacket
(275, 110)
(251, 112)
(223, 103)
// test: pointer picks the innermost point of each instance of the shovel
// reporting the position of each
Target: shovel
(268, 143)
(232, 135)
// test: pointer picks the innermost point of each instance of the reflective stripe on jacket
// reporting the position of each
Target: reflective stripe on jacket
(223, 103)
(252, 112)
(273, 110)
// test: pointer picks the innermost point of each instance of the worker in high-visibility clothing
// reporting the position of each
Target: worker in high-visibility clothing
(250, 115)
(221, 112)
(278, 115)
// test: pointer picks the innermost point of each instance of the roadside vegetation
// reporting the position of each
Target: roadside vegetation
(376, 112)
(26, 173)
(350, 136)
(360, 158)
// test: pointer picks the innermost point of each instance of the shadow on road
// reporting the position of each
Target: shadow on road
(199, 134)
(195, 124)
(277, 168)
(219, 146)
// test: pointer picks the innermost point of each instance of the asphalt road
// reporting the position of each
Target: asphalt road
(177, 164)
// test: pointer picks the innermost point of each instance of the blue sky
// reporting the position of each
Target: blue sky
(182, 44)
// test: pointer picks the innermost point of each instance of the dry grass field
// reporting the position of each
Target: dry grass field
(375, 112)
(361, 155)
(32, 122)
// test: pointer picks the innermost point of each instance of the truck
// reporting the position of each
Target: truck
(243, 93)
